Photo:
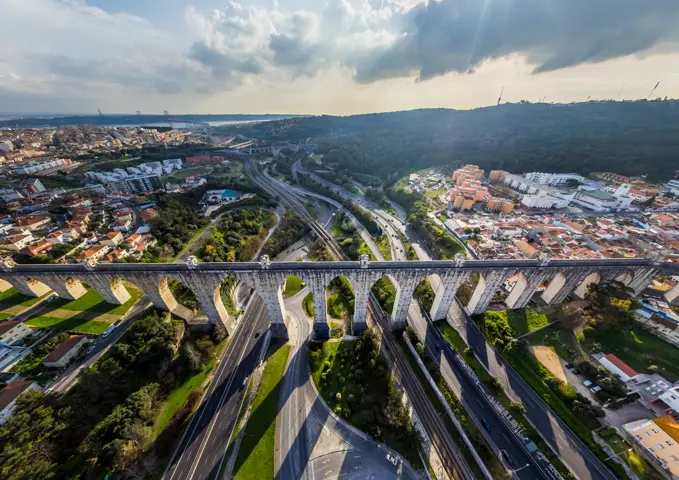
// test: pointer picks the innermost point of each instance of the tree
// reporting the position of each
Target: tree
(29, 439)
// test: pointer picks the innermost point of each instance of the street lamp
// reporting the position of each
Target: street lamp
(514, 471)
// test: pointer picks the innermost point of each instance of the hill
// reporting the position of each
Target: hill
(632, 138)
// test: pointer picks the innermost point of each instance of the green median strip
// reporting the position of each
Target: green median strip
(256, 453)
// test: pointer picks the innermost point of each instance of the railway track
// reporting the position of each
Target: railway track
(439, 434)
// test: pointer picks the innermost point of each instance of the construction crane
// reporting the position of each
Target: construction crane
(500, 98)
(169, 121)
(100, 114)
(653, 91)
(620, 92)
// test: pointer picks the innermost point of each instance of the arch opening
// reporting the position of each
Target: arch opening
(340, 302)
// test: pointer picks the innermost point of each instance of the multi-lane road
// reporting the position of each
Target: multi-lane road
(579, 459)
(202, 450)
(434, 426)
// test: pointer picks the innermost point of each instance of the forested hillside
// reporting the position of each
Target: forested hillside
(625, 137)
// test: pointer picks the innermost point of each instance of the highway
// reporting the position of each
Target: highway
(579, 459)
(304, 418)
(202, 450)
(572, 451)
(434, 426)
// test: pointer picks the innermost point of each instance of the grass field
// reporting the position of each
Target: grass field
(384, 246)
(633, 460)
(308, 305)
(525, 320)
(363, 249)
(88, 314)
(354, 405)
(11, 298)
(255, 455)
(178, 397)
(293, 285)
(639, 349)
(337, 231)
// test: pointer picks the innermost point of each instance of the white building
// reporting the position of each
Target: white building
(9, 395)
(13, 331)
(597, 200)
(672, 187)
(175, 163)
(553, 179)
(65, 352)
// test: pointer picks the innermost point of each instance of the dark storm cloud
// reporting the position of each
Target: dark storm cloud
(458, 35)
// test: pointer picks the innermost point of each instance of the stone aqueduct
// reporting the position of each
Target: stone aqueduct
(565, 277)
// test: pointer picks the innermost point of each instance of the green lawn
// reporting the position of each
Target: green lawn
(178, 397)
(525, 320)
(633, 460)
(384, 246)
(255, 455)
(363, 249)
(639, 349)
(11, 298)
(359, 399)
(5, 316)
(308, 305)
(73, 324)
(92, 301)
(293, 285)
(337, 231)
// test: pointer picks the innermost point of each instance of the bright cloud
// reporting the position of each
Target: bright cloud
(68, 50)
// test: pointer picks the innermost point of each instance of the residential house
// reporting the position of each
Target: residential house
(122, 225)
(9, 395)
(11, 331)
(116, 254)
(33, 222)
(36, 248)
(112, 239)
(15, 242)
(133, 240)
(65, 352)
(95, 252)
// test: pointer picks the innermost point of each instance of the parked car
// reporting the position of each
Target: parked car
(569, 366)
(392, 459)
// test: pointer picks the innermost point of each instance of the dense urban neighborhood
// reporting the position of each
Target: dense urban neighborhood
(173, 298)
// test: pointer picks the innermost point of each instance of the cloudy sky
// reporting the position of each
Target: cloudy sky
(339, 57)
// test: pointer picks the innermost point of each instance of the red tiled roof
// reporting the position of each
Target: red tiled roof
(629, 371)
(65, 347)
(12, 391)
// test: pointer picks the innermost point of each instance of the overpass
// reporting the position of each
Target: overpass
(267, 278)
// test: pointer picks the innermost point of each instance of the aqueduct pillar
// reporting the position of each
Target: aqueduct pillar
(525, 288)
(29, 286)
(65, 287)
(445, 296)
(111, 288)
(489, 283)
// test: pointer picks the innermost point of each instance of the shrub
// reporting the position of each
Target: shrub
(517, 407)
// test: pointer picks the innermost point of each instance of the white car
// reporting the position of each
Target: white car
(392, 459)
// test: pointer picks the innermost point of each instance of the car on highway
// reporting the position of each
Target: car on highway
(90, 350)
(486, 425)
(392, 459)
(507, 458)
(245, 382)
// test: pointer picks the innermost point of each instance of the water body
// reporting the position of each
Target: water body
(178, 121)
